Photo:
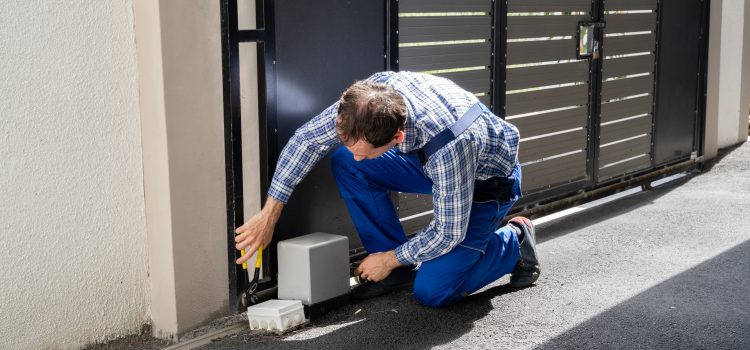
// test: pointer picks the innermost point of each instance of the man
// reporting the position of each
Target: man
(416, 133)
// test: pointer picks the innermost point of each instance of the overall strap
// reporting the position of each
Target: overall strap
(450, 133)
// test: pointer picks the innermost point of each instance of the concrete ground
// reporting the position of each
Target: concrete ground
(667, 269)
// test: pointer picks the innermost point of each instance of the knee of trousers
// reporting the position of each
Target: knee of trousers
(435, 295)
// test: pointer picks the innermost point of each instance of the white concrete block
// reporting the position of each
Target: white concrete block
(276, 315)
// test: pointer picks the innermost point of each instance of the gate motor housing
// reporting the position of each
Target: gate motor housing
(314, 269)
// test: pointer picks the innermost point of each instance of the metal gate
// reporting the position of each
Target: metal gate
(603, 92)
(585, 121)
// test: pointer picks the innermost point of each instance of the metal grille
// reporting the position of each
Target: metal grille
(547, 90)
(451, 39)
(627, 89)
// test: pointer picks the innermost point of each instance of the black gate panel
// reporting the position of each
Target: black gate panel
(322, 47)
(678, 99)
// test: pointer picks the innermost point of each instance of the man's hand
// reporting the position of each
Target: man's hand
(377, 266)
(258, 230)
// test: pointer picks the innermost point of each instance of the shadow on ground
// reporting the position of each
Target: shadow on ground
(706, 307)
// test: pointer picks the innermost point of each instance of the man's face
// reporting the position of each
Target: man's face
(364, 150)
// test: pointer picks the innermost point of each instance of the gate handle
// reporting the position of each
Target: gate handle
(587, 42)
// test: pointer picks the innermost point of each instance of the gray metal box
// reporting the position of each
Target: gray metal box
(313, 268)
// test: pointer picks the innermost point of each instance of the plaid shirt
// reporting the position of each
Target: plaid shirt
(488, 148)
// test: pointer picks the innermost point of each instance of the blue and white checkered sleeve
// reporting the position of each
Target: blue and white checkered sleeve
(306, 148)
(452, 170)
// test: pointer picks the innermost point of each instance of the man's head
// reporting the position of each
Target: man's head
(371, 119)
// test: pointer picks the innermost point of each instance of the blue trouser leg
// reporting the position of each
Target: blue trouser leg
(465, 269)
(484, 256)
(364, 186)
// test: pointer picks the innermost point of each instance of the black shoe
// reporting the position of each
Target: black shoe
(528, 270)
(401, 278)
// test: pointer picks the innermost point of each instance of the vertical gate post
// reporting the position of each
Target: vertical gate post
(391, 35)
(231, 37)
(499, 55)
(595, 93)
(232, 131)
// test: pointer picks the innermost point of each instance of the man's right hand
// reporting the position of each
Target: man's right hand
(258, 230)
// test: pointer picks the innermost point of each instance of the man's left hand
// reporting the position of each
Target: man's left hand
(377, 266)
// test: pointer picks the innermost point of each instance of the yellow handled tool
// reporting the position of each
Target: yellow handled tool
(257, 260)
(248, 297)
(244, 264)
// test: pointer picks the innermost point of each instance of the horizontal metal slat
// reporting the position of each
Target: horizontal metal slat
(549, 146)
(444, 28)
(624, 150)
(554, 171)
(631, 22)
(413, 203)
(417, 224)
(541, 26)
(549, 74)
(413, 6)
(473, 81)
(549, 6)
(625, 129)
(626, 44)
(630, 5)
(421, 58)
(545, 123)
(627, 87)
(546, 99)
(619, 67)
(623, 168)
(626, 108)
(541, 51)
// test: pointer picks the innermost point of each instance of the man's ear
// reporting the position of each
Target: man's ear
(399, 137)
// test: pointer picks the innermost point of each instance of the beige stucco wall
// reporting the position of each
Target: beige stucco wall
(745, 82)
(179, 59)
(730, 105)
(72, 229)
(728, 75)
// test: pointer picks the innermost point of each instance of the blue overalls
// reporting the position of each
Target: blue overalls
(486, 253)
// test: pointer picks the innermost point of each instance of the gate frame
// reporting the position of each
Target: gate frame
(231, 38)
(534, 204)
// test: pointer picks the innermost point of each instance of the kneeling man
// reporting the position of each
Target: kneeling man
(415, 133)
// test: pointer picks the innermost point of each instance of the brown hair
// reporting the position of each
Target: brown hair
(370, 111)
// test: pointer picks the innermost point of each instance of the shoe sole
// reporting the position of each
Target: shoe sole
(534, 277)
